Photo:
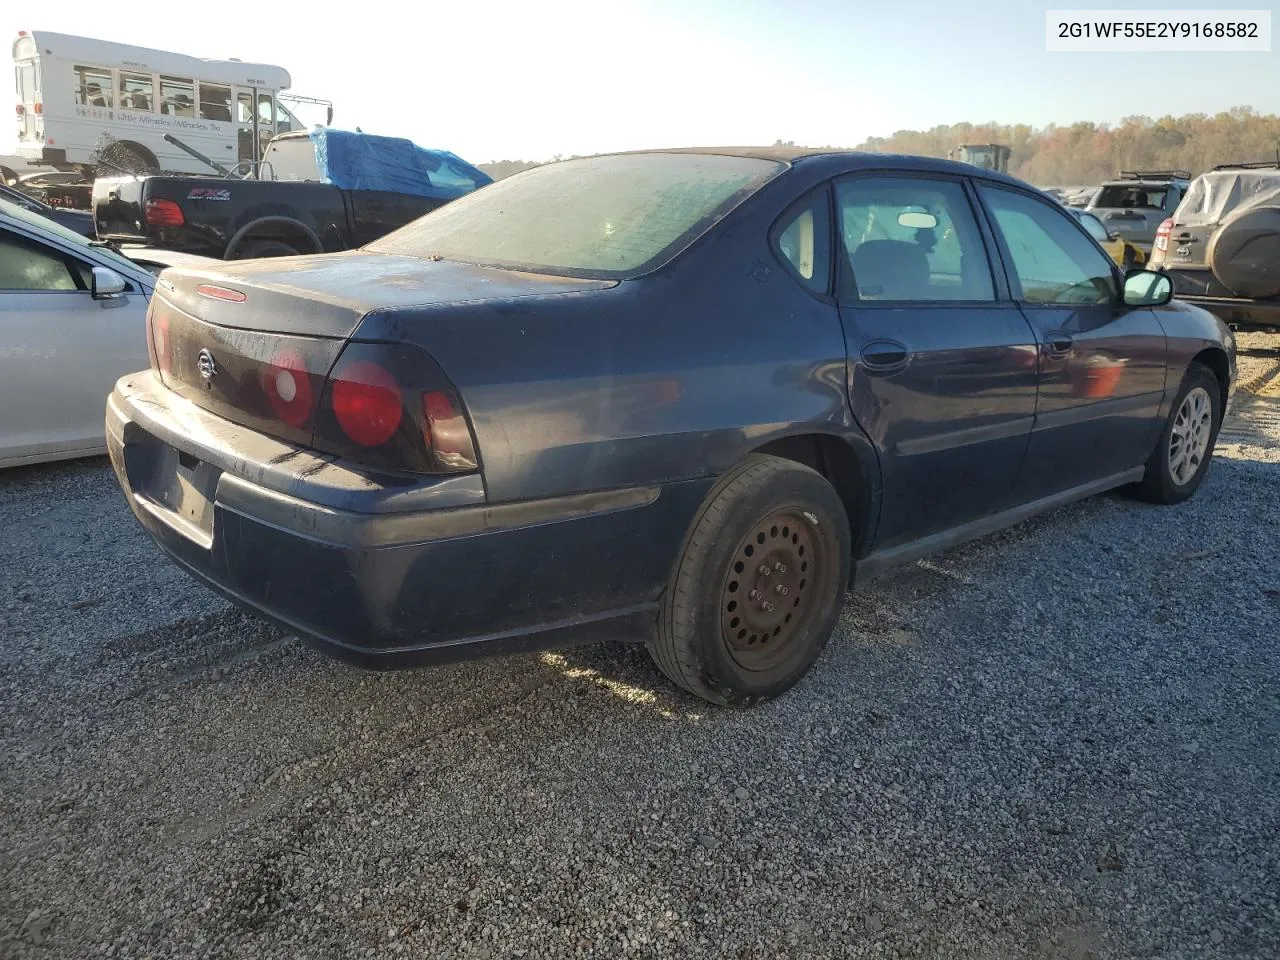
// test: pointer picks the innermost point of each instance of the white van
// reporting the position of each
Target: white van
(78, 97)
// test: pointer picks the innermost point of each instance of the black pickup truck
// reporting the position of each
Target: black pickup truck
(325, 192)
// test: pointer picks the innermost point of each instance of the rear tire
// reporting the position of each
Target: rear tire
(730, 632)
(1181, 459)
(265, 248)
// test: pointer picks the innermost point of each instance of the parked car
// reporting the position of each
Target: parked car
(1136, 204)
(1221, 247)
(328, 190)
(655, 396)
(78, 221)
(72, 321)
(1124, 253)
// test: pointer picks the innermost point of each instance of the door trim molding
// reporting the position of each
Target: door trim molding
(987, 433)
(1084, 412)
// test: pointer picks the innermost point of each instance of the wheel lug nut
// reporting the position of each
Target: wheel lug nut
(754, 595)
(767, 607)
(764, 571)
(782, 589)
(780, 567)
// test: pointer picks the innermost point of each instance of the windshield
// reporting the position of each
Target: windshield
(70, 236)
(1131, 197)
(606, 217)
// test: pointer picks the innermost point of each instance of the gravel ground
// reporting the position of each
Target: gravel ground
(1060, 741)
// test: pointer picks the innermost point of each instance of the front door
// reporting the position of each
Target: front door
(942, 368)
(1102, 364)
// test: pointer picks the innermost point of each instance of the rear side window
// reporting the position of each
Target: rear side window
(910, 238)
(802, 238)
(1053, 261)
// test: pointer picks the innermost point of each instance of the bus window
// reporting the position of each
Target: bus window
(137, 92)
(215, 102)
(177, 97)
(244, 108)
(93, 86)
(264, 109)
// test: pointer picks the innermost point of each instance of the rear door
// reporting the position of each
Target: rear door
(1102, 364)
(60, 350)
(942, 365)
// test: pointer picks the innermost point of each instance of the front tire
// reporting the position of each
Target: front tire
(1180, 461)
(758, 587)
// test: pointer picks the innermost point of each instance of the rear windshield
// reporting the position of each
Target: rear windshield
(606, 217)
(1131, 197)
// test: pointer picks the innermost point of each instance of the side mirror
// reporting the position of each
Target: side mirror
(1147, 288)
(107, 284)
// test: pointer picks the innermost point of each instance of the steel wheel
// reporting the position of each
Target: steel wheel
(767, 597)
(1190, 436)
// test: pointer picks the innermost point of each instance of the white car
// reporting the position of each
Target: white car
(72, 322)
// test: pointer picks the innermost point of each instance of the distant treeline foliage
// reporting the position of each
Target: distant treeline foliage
(1082, 153)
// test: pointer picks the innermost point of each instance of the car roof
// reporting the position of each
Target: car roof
(841, 160)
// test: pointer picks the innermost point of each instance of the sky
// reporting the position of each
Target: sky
(530, 79)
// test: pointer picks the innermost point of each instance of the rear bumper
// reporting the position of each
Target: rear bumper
(1233, 310)
(388, 576)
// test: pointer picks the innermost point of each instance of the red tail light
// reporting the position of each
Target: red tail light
(21, 110)
(391, 407)
(161, 348)
(1162, 234)
(38, 108)
(367, 403)
(215, 292)
(164, 213)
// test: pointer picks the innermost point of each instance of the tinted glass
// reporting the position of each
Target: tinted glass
(603, 217)
(1132, 198)
(93, 86)
(177, 97)
(136, 92)
(892, 259)
(1053, 262)
(43, 225)
(27, 266)
(1093, 226)
(803, 239)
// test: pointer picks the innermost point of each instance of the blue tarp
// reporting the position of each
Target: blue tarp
(363, 161)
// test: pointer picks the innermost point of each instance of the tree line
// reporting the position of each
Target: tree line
(1079, 153)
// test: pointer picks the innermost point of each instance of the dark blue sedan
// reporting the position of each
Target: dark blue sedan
(685, 398)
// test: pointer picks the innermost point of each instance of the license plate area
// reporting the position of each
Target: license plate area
(176, 487)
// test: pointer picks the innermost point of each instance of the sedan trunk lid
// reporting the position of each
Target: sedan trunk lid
(254, 341)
